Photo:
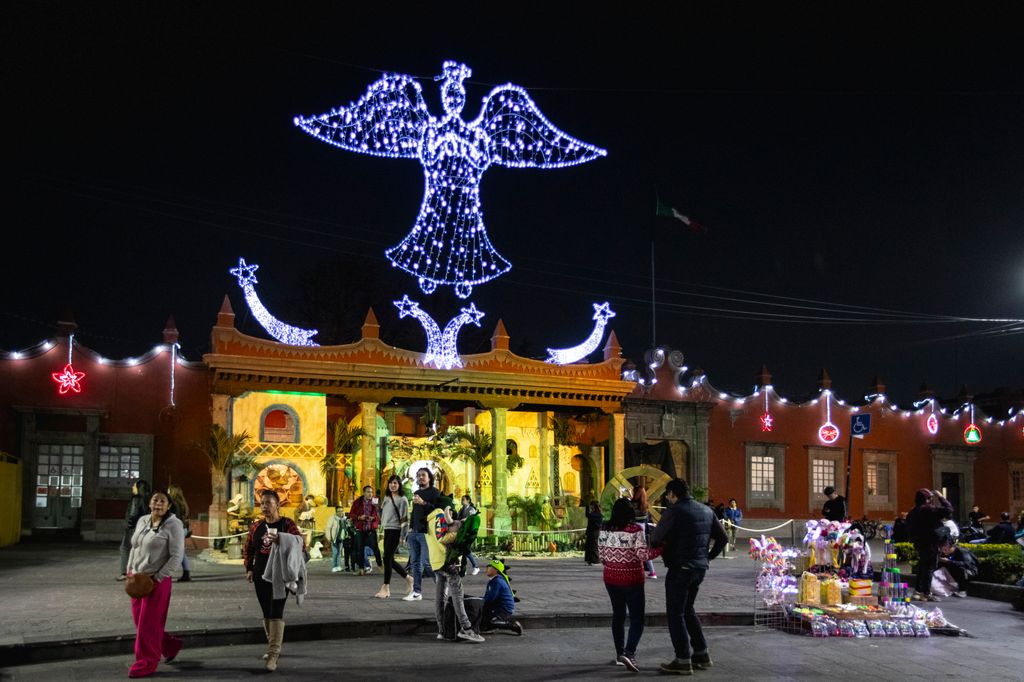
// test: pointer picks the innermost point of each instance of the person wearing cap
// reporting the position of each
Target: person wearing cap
(927, 532)
(499, 601)
(834, 508)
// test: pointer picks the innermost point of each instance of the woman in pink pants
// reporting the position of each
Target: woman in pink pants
(158, 544)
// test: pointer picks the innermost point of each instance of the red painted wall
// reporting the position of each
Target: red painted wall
(136, 400)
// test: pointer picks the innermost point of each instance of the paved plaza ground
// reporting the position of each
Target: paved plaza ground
(64, 597)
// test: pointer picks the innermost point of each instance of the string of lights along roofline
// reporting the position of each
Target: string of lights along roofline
(828, 433)
(71, 382)
(926, 408)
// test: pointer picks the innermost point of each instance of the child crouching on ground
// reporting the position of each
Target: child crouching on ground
(499, 601)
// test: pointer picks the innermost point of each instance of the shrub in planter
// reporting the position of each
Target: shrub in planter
(1003, 564)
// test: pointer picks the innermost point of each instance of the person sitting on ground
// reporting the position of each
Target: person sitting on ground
(834, 508)
(961, 564)
(1002, 532)
(499, 601)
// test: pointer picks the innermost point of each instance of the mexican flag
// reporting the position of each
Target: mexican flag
(663, 210)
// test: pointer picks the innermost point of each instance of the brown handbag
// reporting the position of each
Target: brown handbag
(138, 585)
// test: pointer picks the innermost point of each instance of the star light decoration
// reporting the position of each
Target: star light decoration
(565, 356)
(448, 244)
(69, 379)
(285, 333)
(442, 350)
(766, 418)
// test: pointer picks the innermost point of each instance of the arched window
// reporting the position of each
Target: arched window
(280, 424)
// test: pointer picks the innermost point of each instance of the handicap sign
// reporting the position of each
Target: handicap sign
(860, 424)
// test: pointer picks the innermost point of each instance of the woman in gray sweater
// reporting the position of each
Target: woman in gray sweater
(157, 546)
(394, 517)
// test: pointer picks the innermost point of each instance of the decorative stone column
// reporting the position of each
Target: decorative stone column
(699, 449)
(616, 442)
(502, 522)
(370, 468)
(544, 455)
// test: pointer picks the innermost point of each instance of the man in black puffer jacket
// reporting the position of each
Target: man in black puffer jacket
(684, 532)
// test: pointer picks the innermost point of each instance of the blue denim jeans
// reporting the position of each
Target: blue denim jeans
(681, 587)
(627, 598)
(419, 559)
(337, 551)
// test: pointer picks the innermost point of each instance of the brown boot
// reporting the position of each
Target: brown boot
(266, 631)
(276, 636)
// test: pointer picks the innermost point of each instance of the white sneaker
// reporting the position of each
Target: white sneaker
(476, 571)
(336, 569)
(960, 594)
(413, 596)
(470, 636)
(439, 636)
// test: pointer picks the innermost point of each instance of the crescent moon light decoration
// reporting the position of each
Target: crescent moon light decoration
(565, 356)
(285, 333)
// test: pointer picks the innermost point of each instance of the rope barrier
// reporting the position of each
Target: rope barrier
(217, 537)
(541, 532)
(763, 530)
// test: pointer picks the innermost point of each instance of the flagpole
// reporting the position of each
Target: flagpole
(654, 325)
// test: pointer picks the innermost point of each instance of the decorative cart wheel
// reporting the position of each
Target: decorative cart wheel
(621, 485)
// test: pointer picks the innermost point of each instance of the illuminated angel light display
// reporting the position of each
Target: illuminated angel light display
(69, 379)
(285, 333)
(565, 356)
(448, 244)
(442, 350)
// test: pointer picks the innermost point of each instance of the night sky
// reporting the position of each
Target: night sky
(859, 178)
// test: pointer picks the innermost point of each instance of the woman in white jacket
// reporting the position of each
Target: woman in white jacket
(158, 544)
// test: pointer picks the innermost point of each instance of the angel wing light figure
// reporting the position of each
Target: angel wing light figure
(448, 244)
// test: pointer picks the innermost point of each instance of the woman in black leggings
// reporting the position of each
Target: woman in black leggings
(263, 534)
(394, 517)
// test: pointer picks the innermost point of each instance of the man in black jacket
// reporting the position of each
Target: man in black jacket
(926, 532)
(684, 532)
(1001, 533)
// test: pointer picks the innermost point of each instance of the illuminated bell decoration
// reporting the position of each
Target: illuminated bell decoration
(285, 333)
(448, 244)
(68, 380)
(972, 434)
(766, 422)
(828, 433)
(442, 350)
(565, 356)
(933, 424)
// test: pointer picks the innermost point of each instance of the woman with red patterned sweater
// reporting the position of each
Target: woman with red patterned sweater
(623, 549)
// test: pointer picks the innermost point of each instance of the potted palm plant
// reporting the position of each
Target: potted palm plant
(344, 440)
(225, 452)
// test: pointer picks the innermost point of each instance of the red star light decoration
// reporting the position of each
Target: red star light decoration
(766, 422)
(69, 379)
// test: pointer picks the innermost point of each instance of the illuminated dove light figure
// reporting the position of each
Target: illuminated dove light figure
(285, 333)
(448, 244)
(442, 351)
(565, 356)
